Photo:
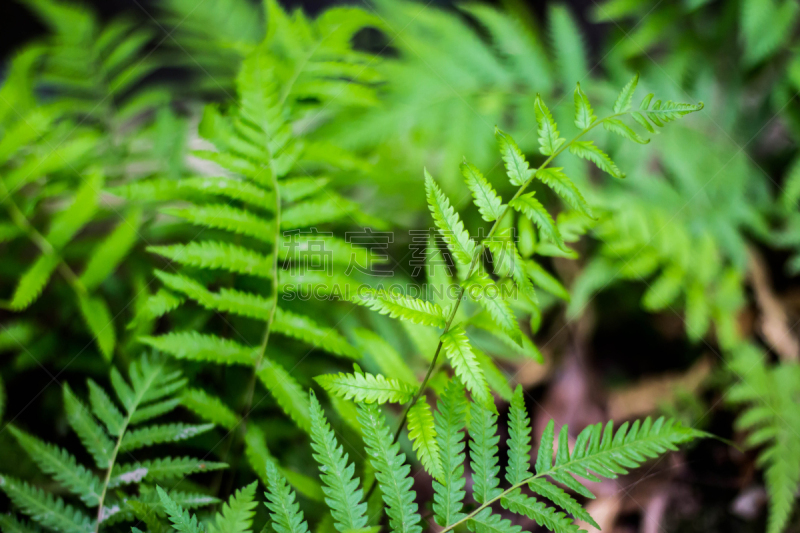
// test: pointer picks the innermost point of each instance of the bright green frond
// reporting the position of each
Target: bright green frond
(342, 493)
(209, 408)
(449, 493)
(281, 501)
(397, 305)
(517, 167)
(391, 471)
(160, 470)
(489, 203)
(549, 140)
(519, 439)
(422, 433)
(236, 516)
(89, 431)
(584, 114)
(58, 463)
(369, 388)
(483, 453)
(459, 352)
(159, 434)
(44, 508)
(182, 520)
(449, 223)
(218, 256)
(196, 346)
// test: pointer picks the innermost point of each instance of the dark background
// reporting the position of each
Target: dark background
(20, 25)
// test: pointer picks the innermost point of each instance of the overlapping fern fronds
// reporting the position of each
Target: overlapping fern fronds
(770, 396)
(111, 430)
(493, 293)
(259, 236)
(599, 452)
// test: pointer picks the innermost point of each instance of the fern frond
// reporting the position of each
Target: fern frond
(458, 350)
(487, 522)
(97, 316)
(557, 495)
(44, 508)
(105, 409)
(342, 493)
(517, 167)
(107, 256)
(555, 178)
(303, 328)
(623, 101)
(519, 439)
(181, 519)
(159, 434)
(62, 466)
(450, 419)
(33, 281)
(89, 431)
(422, 433)
(549, 140)
(483, 453)
(236, 516)
(397, 305)
(209, 408)
(529, 206)
(281, 501)
(449, 223)
(221, 216)
(545, 516)
(286, 391)
(584, 114)
(159, 470)
(481, 289)
(587, 150)
(368, 388)
(196, 346)
(489, 203)
(218, 256)
(391, 472)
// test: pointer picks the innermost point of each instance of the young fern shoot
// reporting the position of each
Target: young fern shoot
(509, 268)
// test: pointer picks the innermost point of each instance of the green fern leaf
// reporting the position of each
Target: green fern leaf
(483, 453)
(303, 328)
(497, 380)
(89, 431)
(109, 254)
(568, 46)
(391, 472)
(236, 516)
(384, 355)
(558, 496)
(159, 470)
(519, 440)
(181, 519)
(584, 114)
(422, 433)
(321, 210)
(369, 388)
(281, 501)
(341, 490)
(535, 211)
(508, 262)
(196, 346)
(545, 516)
(549, 140)
(209, 408)
(517, 167)
(33, 281)
(218, 256)
(97, 316)
(489, 203)
(481, 289)
(487, 522)
(259, 457)
(459, 352)
(623, 130)
(62, 466)
(229, 218)
(623, 102)
(10, 524)
(587, 150)
(104, 409)
(286, 391)
(149, 436)
(400, 306)
(449, 223)
(555, 178)
(44, 508)
(450, 419)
